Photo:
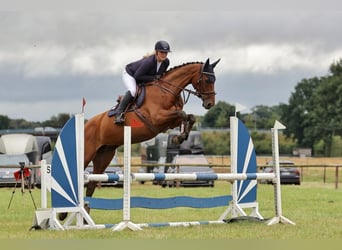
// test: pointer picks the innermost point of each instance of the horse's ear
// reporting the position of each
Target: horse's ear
(206, 64)
(214, 64)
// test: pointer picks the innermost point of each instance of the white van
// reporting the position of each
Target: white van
(20, 144)
(14, 146)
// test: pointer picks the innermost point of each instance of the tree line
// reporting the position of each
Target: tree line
(54, 122)
(313, 115)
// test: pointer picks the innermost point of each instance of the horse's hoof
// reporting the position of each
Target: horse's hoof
(87, 208)
(175, 140)
(178, 139)
(62, 216)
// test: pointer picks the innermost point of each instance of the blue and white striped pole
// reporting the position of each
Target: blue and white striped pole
(179, 177)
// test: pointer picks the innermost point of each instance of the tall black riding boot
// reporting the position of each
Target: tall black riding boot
(120, 116)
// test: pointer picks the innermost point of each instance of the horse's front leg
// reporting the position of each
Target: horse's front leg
(186, 125)
(190, 121)
(175, 118)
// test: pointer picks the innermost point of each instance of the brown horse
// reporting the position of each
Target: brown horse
(161, 110)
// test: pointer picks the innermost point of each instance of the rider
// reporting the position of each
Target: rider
(144, 70)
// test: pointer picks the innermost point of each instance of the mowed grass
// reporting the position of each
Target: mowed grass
(315, 207)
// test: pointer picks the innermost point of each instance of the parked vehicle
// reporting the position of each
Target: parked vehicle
(14, 146)
(161, 150)
(20, 144)
(44, 148)
(44, 153)
(8, 171)
(111, 169)
(193, 145)
(153, 151)
(200, 169)
(289, 174)
(36, 148)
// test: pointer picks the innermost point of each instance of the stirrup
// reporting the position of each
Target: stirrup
(120, 119)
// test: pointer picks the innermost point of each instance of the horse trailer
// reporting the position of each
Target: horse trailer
(35, 148)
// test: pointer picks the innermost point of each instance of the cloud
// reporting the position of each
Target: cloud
(99, 43)
(275, 58)
(105, 59)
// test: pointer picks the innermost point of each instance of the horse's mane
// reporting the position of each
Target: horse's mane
(179, 66)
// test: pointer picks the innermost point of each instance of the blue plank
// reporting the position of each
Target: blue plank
(160, 203)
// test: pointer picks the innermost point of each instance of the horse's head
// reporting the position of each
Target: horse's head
(205, 84)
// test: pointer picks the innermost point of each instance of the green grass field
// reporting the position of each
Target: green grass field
(314, 207)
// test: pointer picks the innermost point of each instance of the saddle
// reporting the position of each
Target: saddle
(136, 103)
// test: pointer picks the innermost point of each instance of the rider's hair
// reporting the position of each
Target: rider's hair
(148, 54)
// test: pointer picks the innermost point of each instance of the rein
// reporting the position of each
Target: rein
(182, 90)
(197, 93)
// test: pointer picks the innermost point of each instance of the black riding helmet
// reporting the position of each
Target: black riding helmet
(162, 46)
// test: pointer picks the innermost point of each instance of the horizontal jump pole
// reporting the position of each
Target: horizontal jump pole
(173, 224)
(178, 177)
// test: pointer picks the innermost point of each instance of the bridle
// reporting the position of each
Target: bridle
(199, 86)
(201, 82)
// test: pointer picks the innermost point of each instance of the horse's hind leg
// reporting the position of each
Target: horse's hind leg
(100, 163)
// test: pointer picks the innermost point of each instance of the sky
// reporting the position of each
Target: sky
(51, 59)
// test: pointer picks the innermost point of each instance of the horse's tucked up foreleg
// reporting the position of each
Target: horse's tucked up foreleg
(186, 124)
(179, 118)
(178, 139)
(189, 124)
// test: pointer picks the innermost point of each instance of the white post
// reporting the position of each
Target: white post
(127, 175)
(127, 185)
(279, 218)
(235, 211)
(82, 215)
(276, 166)
(43, 173)
(80, 156)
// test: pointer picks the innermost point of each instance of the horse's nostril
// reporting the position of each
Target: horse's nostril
(207, 105)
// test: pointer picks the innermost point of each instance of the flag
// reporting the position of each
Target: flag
(239, 107)
(278, 125)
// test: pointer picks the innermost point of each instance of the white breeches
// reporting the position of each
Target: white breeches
(129, 82)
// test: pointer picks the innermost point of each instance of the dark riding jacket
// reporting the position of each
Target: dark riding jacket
(145, 70)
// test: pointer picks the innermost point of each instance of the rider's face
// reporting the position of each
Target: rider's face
(161, 56)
